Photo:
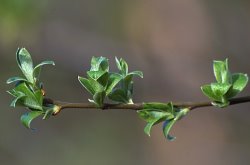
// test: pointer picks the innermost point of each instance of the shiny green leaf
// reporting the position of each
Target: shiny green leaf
(99, 98)
(207, 90)
(27, 118)
(220, 89)
(114, 79)
(239, 81)
(25, 63)
(15, 79)
(99, 64)
(221, 71)
(138, 73)
(37, 69)
(95, 74)
(87, 85)
(118, 95)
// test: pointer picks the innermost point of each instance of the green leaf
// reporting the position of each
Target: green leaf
(138, 73)
(27, 118)
(48, 113)
(122, 66)
(87, 85)
(149, 125)
(20, 95)
(221, 71)
(239, 81)
(159, 106)
(99, 98)
(30, 100)
(114, 79)
(118, 95)
(99, 64)
(168, 124)
(95, 74)
(118, 63)
(37, 69)
(207, 90)
(104, 79)
(15, 79)
(25, 63)
(152, 115)
(220, 89)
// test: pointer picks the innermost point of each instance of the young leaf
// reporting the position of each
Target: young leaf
(118, 95)
(27, 118)
(15, 79)
(168, 124)
(25, 63)
(30, 100)
(104, 79)
(138, 73)
(160, 106)
(207, 90)
(87, 85)
(239, 81)
(220, 89)
(20, 95)
(151, 115)
(37, 69)
(99, 64)
(114, 79)
(221, 71)
(95, 74)
(99, 98)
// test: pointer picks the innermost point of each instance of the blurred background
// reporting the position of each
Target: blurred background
(172, 41)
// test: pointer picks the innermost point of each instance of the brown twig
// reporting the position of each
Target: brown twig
(138, 106)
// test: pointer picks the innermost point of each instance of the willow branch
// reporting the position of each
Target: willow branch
(138, 106)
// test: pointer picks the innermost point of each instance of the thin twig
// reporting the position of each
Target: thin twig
(139, 106)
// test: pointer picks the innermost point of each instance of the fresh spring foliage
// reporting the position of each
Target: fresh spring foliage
(116, 87)
(101, 83)
(154, 113)
(227, 86)
(28, 90)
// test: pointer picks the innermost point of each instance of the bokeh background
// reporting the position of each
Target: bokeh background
(172, 41)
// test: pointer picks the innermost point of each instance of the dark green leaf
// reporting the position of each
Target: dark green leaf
(239, 81)
(25, 63)
(27, 118)
(15, 79)
(30, 100)
(114, 79)
(99, 98)
(104, 79)
(118, 95)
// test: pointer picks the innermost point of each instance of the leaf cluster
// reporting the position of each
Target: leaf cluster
(228, 85)
(154, 113)
(102, 84)
(28, 91)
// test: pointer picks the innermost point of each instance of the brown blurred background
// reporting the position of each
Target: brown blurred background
(172, 41)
